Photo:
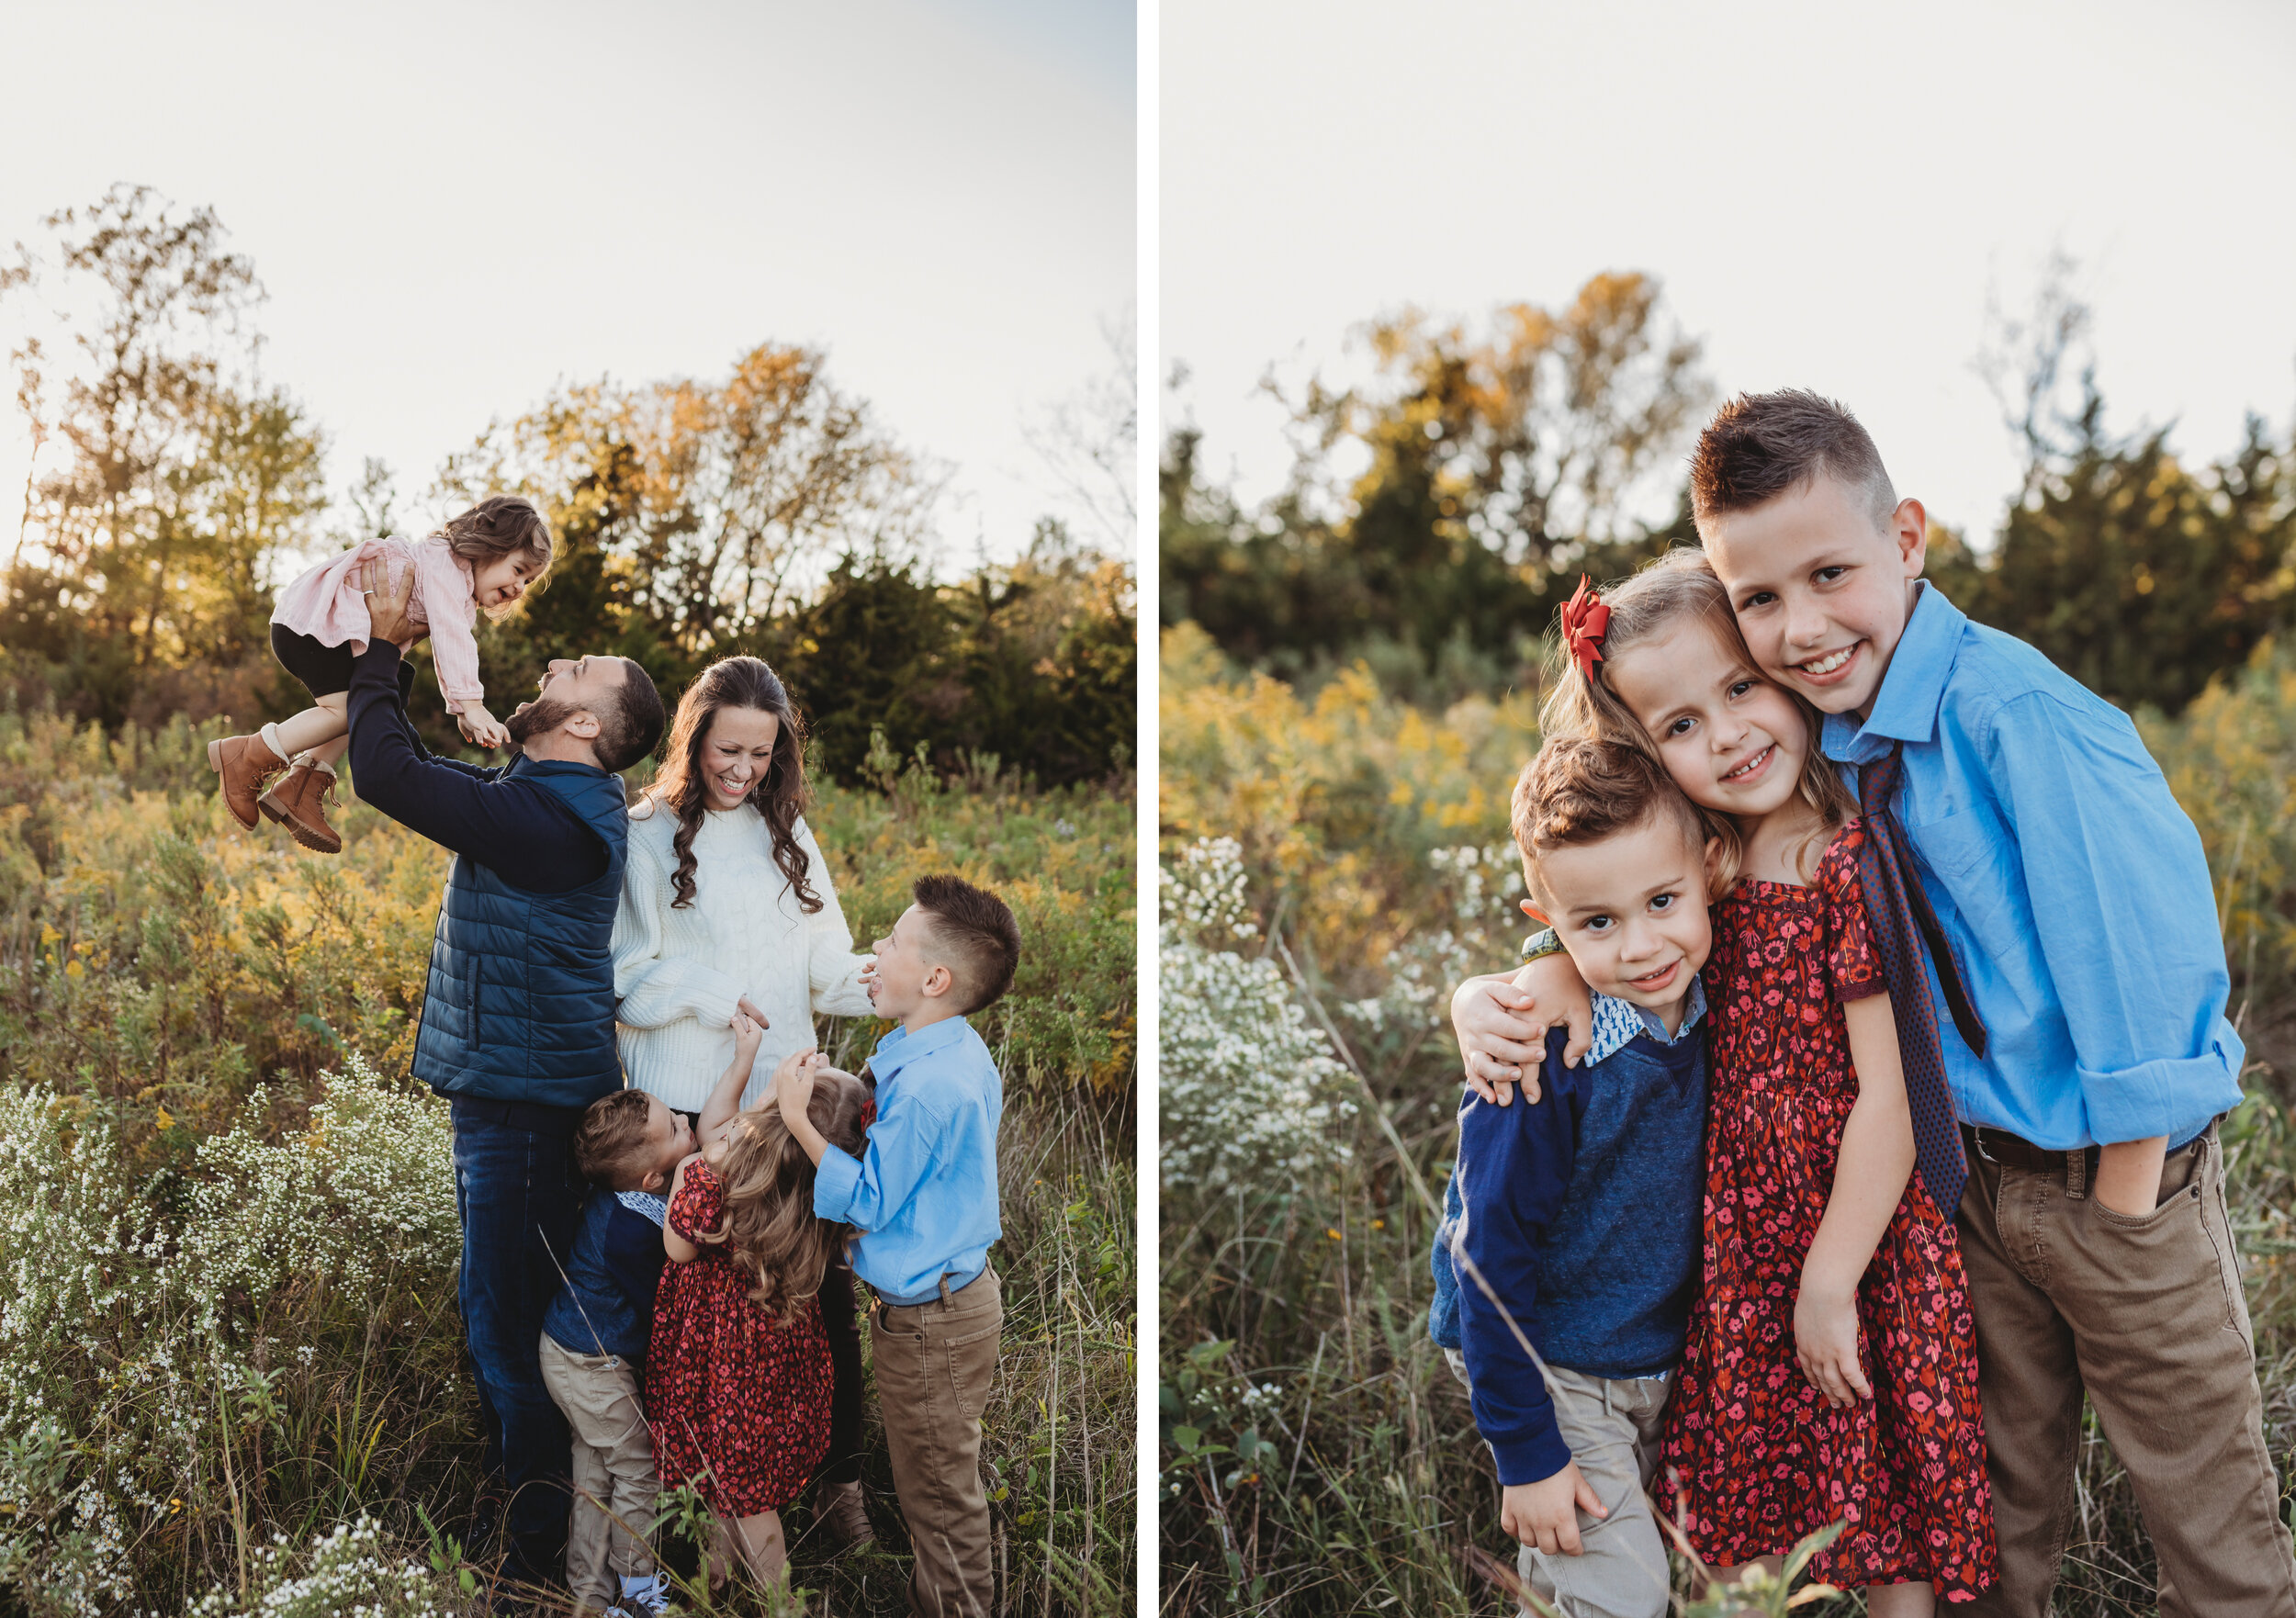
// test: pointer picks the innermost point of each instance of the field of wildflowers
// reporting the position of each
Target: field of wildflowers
(1333, 863)
(230, 1365)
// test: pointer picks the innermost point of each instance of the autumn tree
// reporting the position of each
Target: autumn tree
(166, 474)
(1495, 463)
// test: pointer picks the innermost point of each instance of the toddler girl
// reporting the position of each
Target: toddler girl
(1829, 1373)
(737, 1375)
(485, 558)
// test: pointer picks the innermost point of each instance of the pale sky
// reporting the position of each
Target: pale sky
(1827, 193)
(453, 207)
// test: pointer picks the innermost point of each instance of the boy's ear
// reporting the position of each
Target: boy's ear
(939, 981)
(655, 1180)
(1712, 865)
(1910, 532)
(1535, 914)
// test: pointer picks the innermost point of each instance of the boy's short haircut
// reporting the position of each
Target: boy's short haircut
(1761, 444)
(977, 934)
(612, 1129)
(1579, 790)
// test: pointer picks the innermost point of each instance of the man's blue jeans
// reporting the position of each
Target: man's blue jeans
(519, 1196)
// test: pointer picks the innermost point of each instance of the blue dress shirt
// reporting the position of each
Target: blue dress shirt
(2070, 884)
(924, 1194)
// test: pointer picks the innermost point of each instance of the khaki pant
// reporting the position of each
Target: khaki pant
(613, 1471)
(934, 1364)
(1615, 1431)
(2147, 1314)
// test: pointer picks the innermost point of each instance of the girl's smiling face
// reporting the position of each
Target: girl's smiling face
(1734, 742)
(497, 583)
(736, 754)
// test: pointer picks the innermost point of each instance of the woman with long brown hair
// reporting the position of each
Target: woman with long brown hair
(728, 906)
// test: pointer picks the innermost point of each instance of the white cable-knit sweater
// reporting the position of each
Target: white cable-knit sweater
(677, 973)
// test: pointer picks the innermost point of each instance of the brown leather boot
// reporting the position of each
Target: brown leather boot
(300, 802)
(245, 762)
(846, 1517)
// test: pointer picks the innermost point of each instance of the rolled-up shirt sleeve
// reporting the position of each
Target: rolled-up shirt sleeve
(2125, 912)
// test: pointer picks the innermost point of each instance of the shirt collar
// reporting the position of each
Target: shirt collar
(1617, 1023)
(900, 1047)
(1913, 687)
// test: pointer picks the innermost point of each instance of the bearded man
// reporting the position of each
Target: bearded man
(517, 1029)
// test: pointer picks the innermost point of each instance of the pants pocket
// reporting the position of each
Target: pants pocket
(972, 1369)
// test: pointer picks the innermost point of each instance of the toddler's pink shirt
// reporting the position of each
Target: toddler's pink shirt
(329, 604)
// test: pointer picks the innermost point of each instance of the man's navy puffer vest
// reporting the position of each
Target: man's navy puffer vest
(520, 1002)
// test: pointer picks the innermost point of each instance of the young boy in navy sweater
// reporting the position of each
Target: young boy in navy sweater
(1569, 1252)
(593, 1344)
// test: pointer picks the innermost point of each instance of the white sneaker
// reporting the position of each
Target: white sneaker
(647, 1596)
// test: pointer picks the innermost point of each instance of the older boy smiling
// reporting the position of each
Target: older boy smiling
(2076, 903)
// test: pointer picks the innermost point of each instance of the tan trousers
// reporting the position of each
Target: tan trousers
(2147, 1314)
(613, 1471)
(934, 1367)
(1615, 1430)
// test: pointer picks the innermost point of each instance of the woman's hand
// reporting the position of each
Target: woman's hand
(749, 1008)
(387, 604)
(1826, 1342)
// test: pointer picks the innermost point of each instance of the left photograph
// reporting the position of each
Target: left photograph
(567, 897)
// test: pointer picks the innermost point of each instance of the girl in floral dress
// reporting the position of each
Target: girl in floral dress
(737, 1377)
(1829, 1373)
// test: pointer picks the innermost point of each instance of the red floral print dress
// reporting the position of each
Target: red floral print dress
(738, 1401)
(1756, 1459)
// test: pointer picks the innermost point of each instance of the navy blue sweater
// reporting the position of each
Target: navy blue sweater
(1582, 1213)
(606, 1303)
(521, 830)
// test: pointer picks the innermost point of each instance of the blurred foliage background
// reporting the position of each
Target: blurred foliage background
(175, 487)
(1350, 682)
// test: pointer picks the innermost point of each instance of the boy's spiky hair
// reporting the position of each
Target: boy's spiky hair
(1760, 446)
(979, 940)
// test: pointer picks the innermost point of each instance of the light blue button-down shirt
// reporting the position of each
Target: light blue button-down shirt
(923, 1195)
(1616, 1023)
(2070, 884)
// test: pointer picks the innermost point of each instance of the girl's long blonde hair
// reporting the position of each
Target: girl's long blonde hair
(1681, 584)
(769, 1228)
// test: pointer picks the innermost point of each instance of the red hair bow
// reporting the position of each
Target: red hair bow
(1585, 617)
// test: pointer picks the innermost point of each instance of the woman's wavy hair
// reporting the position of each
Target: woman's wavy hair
(778, 794)
(769, 1228)
(1680, 584)
(498, 526)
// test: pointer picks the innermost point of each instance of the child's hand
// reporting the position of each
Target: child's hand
(749, 1032)
(1546, 1514)
(482, 727)
(793, 1082)
(1826, 1340)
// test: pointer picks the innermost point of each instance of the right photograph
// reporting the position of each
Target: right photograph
(1727, 863)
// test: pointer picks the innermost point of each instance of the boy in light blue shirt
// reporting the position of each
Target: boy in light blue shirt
(2093, 1057)
(924, 1199)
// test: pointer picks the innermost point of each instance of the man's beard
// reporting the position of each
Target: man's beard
(538, 717)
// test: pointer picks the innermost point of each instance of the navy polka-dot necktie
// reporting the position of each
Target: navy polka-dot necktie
(1902, 922)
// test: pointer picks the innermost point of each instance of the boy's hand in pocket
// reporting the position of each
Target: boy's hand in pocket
(1545, 1515)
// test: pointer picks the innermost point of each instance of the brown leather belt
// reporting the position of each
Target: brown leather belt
(2016, 1153)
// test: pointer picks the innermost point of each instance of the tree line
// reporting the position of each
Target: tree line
(1498, 463)
(765, 510)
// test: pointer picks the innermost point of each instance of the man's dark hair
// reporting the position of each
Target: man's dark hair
(977, 936)
(1760, 446)
(630, 722)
